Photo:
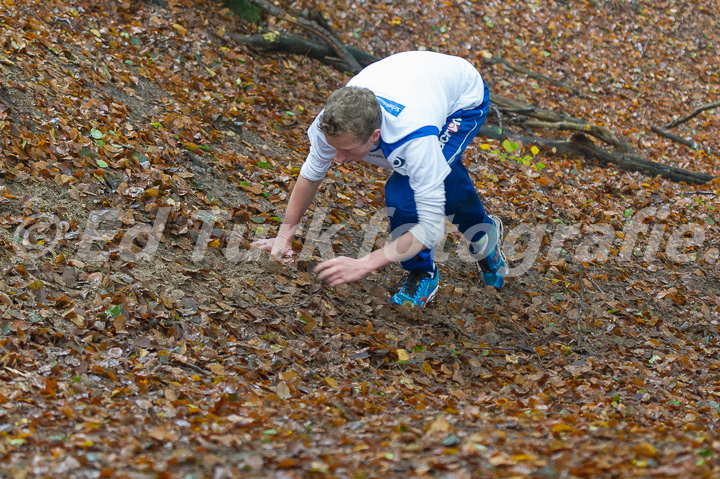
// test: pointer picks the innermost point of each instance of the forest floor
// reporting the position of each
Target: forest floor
(141, 335)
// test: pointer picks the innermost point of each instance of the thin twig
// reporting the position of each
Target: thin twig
(533, 74)
(597, 286)
(499, 115)
(696, 112)
(642, 52)
(195, 368)
(582, 304)
(526, 349)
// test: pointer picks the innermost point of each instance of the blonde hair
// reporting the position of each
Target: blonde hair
(351, 109)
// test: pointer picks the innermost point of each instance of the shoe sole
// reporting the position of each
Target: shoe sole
(500, 237)
(500, 233)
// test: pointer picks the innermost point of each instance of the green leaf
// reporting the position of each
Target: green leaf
(101, 163)
(157, 124)
(539, 166)
(510, 146)
(204, 148)
(270, 432)
(97, 134)
(245, 10)
(135, 41)
(265, 164)
(257, 219)
(629, 212)
(675, 402)
(115, 311)
(87, 152)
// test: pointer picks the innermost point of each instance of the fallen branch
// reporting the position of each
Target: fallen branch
(594, 130)
(696, 112)
(580, 145)
(297, 45)
(671, 136)
(551, 120)
(341, 51)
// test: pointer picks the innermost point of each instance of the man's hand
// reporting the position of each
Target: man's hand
(277, 247)
(342, 270)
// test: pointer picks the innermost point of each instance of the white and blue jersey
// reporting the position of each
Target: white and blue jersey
(432, 106)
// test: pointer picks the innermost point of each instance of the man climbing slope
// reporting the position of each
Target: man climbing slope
(413, 113)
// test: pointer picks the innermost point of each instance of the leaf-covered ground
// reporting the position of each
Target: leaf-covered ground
(206, 359)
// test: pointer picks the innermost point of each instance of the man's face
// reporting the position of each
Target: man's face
(350, 149)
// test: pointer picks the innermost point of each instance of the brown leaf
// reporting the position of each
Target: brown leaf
(282, 390)
(440, 424)
(179, 29)
(162, 433)
(119, 323)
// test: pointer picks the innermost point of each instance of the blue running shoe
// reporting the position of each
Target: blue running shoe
(494, 265)
(419, 289)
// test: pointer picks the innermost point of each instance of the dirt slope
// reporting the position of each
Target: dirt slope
(125, 352)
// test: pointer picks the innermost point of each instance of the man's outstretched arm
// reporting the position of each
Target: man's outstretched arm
(300, 199)
(343, 270)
